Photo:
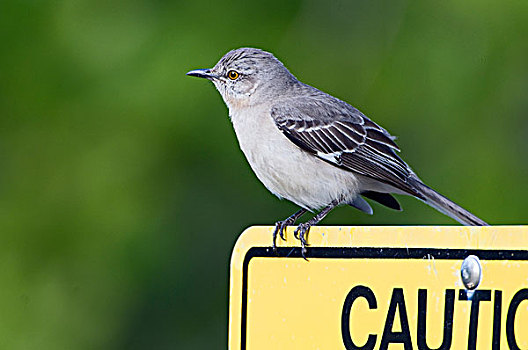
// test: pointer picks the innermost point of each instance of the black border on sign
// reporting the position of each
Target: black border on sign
(364, 253)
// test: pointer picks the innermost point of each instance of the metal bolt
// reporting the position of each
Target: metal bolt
(471, 272)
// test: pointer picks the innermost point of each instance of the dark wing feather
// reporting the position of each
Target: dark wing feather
(341, 135)
(382, 198)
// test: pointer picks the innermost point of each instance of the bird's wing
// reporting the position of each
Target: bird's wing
(341, 135)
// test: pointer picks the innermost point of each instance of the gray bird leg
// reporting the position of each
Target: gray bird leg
(280, 226)
(302, 229)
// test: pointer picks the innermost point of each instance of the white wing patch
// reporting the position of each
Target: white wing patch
(333, 157)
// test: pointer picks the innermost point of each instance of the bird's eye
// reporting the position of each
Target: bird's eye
(232, 74)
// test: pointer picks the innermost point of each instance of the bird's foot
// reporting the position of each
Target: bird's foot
(280, 227)
(302, 230)
(300, 233)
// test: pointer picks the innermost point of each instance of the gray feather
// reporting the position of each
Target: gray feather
(446, 206)
(361, 204)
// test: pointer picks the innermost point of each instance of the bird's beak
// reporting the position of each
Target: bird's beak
(202, 73)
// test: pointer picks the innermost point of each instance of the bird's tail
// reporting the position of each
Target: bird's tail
(446, 206)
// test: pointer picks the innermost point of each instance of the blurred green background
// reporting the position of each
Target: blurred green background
(122, 188)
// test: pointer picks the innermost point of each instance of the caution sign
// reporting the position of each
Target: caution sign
(380, 288)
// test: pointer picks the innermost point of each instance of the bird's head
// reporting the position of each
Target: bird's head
(247, 76)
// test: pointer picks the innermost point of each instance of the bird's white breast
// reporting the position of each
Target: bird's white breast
(284, 168)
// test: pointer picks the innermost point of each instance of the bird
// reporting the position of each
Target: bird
(312, 148)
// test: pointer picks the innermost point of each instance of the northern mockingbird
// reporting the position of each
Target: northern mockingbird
(312, 148)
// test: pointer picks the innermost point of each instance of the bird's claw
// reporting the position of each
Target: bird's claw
(281, 230)
(280, 226)
(300, 233)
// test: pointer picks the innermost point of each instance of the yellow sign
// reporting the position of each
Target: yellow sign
(380, 288)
